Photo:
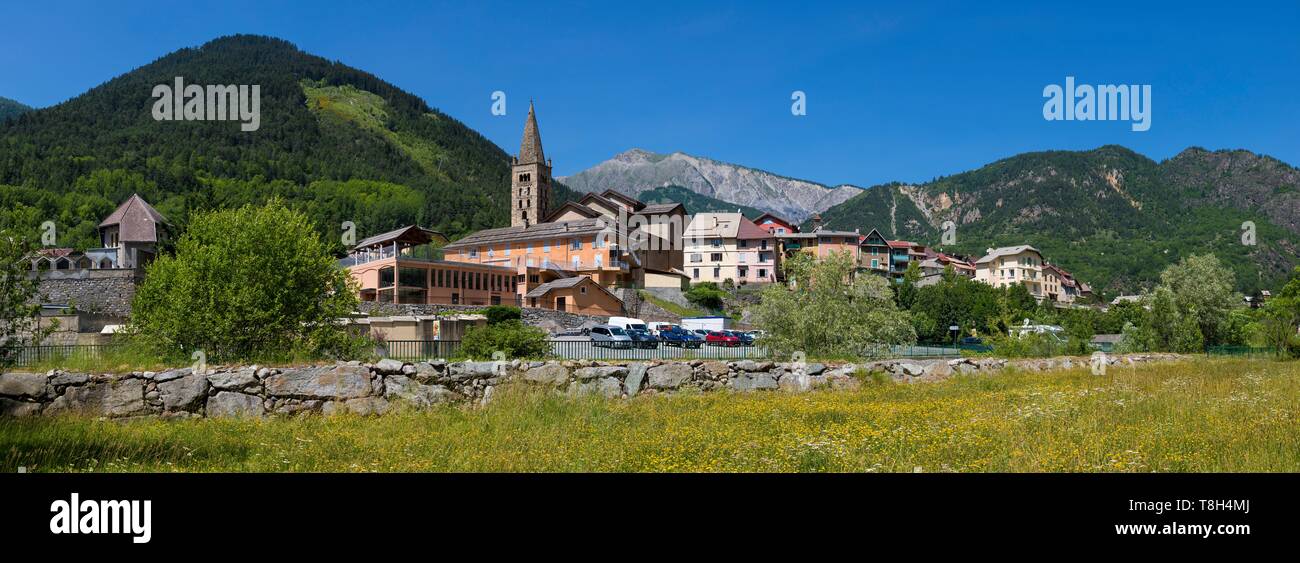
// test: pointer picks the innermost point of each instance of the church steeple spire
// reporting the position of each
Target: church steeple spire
(530, 149)
(530, 178)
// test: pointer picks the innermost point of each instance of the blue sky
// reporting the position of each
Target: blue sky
(895, 91)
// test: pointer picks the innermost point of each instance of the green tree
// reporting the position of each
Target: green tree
(20, 308)
(1203, 287)
(829, 311)
(246, 283)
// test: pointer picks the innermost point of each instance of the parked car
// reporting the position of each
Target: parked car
(641, 338)
(742, 337)
(703, 334)
(973, 344)
(681, 338)
(609, 336)
(720, 338)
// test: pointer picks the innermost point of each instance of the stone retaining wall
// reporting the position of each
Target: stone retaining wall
(368, 389)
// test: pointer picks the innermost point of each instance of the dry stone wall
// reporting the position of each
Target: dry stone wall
(371, 389)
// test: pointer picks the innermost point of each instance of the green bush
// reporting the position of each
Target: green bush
(706, 295)
(249, 283)
(498, 314)
(511, 337)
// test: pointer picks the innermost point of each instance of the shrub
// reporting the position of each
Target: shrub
(511, 337)
(706, 295)
(253, 282)
(497, 314)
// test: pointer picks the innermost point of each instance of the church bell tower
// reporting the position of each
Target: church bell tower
(530, 178)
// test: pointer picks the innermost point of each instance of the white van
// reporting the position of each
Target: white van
(628, 323)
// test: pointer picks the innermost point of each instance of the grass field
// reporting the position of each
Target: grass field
(1221, 415)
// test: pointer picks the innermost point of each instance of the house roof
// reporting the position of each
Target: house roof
(900, 244)
(136, 220)
(995, 253)
(575, 207)
(635, 203)
(714, 225)
(660, 208)
(561, 229)
(748, 230)
(410, 234)
(776, 218)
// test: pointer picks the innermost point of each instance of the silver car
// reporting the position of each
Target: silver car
(610, 336)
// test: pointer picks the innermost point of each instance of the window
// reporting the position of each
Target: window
(528, 247)
(717, 273)
(695, 274)
(546, 245)
(780, 230)
(577, 263)
(507, 249)
(599, 261)
(575, 244)
(763, 244)
(762, 274)
(582, 290)
(742, 244)
(525, 177)
(717, 242)
(473, 253)
(697, 258)
(715, 257)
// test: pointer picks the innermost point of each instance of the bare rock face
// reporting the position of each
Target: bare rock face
(635, 377)
(586, 374)
(123, 397)
(231, 404)
(548, 374)
(607, 387)
(184, 394)
(10, 407)
(367, 406)
(329, 382)
(244, 379)
(399, 388)
(669, 376)
(753, 382)
(22, 384)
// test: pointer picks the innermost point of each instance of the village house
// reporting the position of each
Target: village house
(727, 246)
(1005, 266)
(775, 224)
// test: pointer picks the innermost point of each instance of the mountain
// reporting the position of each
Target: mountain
(337, 142)
(1113, 217)
(696, 203)
(10, 108)
(635, 171)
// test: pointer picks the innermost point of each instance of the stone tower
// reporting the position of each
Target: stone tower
(530, 178)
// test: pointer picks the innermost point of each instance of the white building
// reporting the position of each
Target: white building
(727, 246)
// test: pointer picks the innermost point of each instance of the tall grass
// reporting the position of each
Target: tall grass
(1220, 415)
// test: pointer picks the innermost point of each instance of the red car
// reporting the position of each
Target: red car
(716, 338)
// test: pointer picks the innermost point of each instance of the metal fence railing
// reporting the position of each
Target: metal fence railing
(33, 355)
